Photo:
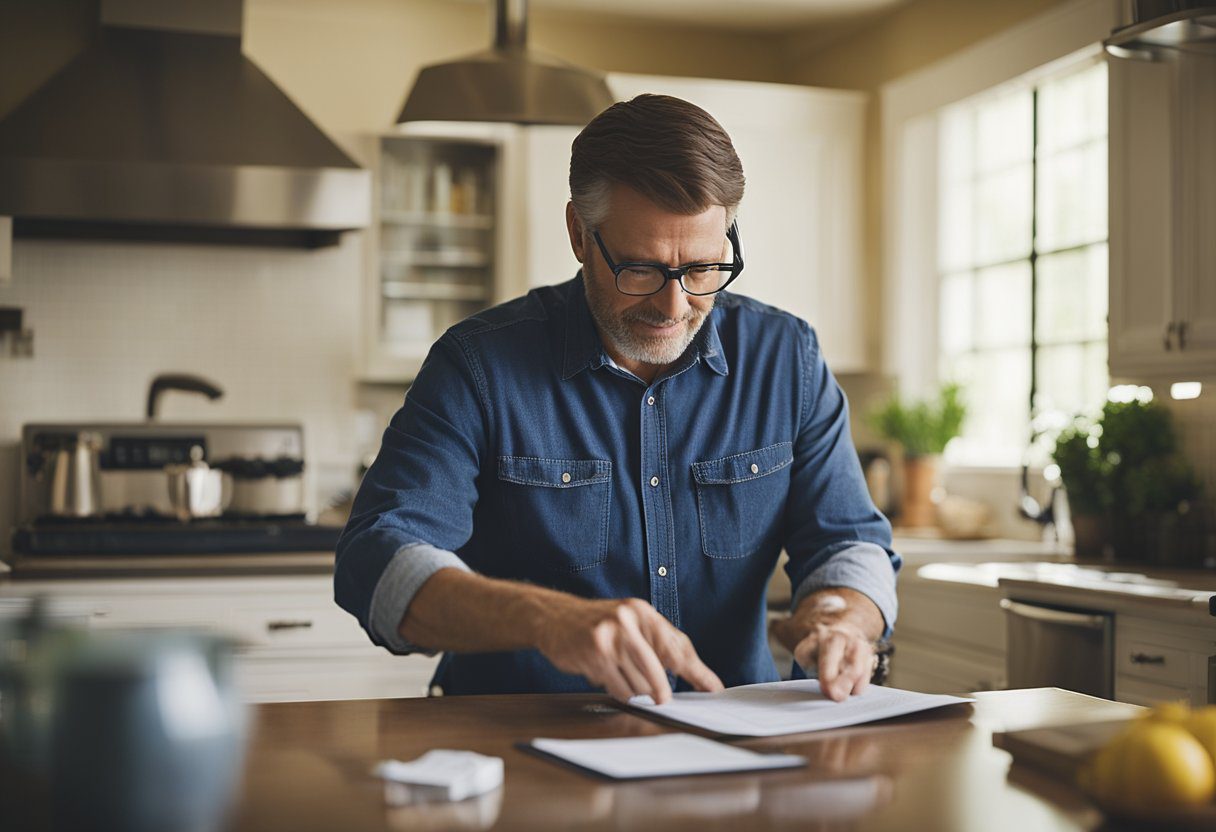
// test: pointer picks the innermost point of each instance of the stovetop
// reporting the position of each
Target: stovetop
(152, 534)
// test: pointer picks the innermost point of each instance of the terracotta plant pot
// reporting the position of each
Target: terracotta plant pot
(1090, 534)
(920, 478)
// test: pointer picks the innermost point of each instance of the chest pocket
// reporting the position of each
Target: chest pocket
(558, 509)
(741, 498)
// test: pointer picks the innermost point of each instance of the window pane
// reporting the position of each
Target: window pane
(1002, 215)
(956, 314)
(1072, 109)
(955, 230)
(1070, 302)
(1072, 197)
(956, 145)
(1096, 379)
(1071, 379)
(1004, 133)
(997, 389)
(992, 215)
(1002, 306)
(1059, 385)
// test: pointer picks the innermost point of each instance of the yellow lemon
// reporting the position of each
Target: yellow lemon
(1170, 712)
(1202, 725)
(1163, 765)
(1102, 775)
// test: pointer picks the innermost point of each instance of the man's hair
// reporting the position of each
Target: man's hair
(670, 151)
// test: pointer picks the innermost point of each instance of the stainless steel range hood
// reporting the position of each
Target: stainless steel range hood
(1161, 28)
(507, 83)
(163, 129)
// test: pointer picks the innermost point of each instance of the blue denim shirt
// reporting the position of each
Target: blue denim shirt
(523, 452)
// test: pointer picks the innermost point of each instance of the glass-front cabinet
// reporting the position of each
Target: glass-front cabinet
(433, 251)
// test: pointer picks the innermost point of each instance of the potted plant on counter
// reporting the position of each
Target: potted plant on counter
(922, 429)
(1128, 486)
(1086, 478)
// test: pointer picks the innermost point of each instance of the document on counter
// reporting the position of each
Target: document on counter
(774, 708)
(664, 755)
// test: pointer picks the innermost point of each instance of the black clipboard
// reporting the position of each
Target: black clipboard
(527, 747)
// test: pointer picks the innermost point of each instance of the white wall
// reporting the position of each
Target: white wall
(275, 328)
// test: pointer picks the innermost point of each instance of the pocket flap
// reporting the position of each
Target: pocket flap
(553, 473)
(744, 466)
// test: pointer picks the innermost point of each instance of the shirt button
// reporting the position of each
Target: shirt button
(662, 571)
(755, 468)
(566, 477)
(650, 400)
(654, 480)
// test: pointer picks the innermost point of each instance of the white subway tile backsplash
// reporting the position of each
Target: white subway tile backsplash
(277, 329)
(1195, 420)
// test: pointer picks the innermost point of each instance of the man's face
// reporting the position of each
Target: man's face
(656, 329)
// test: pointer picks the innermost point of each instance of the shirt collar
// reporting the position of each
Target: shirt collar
(584, 350)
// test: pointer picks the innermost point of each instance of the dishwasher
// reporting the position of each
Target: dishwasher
(1052, 646)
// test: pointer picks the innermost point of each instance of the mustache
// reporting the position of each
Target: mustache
(654, 317)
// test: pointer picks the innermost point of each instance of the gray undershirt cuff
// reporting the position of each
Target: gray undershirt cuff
(405, 574)
(864, 567)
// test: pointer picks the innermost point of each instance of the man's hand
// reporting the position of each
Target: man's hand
(834, 630)
(625, 645)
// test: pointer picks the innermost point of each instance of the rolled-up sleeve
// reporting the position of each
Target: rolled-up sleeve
(836, 537)
(414, 508)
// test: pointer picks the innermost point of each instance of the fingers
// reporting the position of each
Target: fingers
(629, 650)
(676, 652)
(831, 663)
(844, 660)
(806, 652)
(640, 658)
(624, 662)
(614, 682)
(861, 666)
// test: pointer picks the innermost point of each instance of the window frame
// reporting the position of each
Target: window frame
(908, 288)
(1031, 88)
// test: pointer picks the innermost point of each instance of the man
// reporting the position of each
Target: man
(589, 487)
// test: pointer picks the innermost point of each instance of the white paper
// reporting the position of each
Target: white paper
(664, 755)
(774, 708)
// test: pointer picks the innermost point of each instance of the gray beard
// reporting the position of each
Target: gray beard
(615, 327)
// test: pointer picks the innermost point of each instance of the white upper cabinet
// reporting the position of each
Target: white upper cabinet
(800, 221)
(438, 249)
(1162, 216)
(546, 155)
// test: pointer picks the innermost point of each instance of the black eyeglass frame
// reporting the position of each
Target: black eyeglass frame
(678, 272)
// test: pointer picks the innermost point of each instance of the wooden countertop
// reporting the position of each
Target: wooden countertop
(308, 763)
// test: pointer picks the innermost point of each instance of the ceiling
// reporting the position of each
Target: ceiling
(756, 16)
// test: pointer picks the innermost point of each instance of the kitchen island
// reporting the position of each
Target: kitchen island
(308, 769)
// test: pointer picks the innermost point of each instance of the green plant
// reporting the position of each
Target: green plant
(1126, 461)
(922, 427)
(1083, 469)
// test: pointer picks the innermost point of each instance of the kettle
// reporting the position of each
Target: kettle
(126, 731)
(73, 467)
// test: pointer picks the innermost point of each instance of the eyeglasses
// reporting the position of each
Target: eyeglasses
(695, 278)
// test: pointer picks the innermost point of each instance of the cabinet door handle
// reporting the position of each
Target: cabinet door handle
(1144, 658)
(1182, 335)
(1169, 336)
(275, 626)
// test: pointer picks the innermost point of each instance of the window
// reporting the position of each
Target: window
(1022, 258)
